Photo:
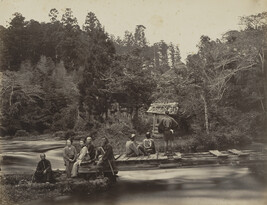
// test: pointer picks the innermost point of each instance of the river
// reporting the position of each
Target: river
(23, 156)
(204, 185)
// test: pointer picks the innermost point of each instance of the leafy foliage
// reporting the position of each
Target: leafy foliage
(58, 76)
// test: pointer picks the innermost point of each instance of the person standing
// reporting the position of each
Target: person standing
(80, 158)
(166, 126)
(43, 173)
(69, 156)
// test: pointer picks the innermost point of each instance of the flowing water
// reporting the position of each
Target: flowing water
(23, 156)
(204, 185)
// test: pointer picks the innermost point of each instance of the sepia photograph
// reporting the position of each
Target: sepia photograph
(133, 102)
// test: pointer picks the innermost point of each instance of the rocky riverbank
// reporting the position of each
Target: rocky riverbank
(18, 188)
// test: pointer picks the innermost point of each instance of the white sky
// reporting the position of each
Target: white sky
(179, 21)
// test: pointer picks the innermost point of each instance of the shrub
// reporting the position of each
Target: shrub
(59, 134)
(69, 134)
(203, 141)
(117, 134)
(21, 133)
(140, 125)
(230, 137)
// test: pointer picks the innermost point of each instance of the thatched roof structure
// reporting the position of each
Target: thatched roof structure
(160, 108)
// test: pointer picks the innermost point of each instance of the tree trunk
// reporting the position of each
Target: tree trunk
(136, 112)
(11, 95)
(264, 66)
(154, 124)
(206, 113)
(261, 101)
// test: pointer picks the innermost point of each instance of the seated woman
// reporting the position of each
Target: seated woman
(149, 144)
(80, 158)
(133, 150)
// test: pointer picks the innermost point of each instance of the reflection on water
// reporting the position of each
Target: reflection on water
(197, 186)
(206, 185)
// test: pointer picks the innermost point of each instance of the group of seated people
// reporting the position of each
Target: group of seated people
(86, 152)
(134, 149)
(102, 155)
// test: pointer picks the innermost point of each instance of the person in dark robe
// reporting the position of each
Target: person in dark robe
(105, 152)
(91, 153)
(166, 126)
(43, 173)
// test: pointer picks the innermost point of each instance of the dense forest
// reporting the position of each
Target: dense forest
(58, 76)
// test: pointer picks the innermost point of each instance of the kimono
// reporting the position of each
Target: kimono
(43, 171)
(107, 159)
(91, 152)
(82, 154)
(69, 155)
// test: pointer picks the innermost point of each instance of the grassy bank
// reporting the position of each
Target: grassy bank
(17, 188)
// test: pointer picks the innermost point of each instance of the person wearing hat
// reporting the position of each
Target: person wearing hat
(133, 150)
(166, 126)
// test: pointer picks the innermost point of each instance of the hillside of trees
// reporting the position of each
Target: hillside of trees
(58, 76)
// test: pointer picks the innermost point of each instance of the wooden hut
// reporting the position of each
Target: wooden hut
(157, 110)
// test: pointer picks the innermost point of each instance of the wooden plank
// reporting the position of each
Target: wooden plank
(152, 157)
(145, 158)
(137, 158)
(177, 155)
(161, 156)
(139, 167)
(154, 124)
(91, 168)
(189, 160)
(238, 152)
(218, 154)
(117, 156)
(197, 154)
(140, 158)
(168, 166)
(123, 157)
(132, 159)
